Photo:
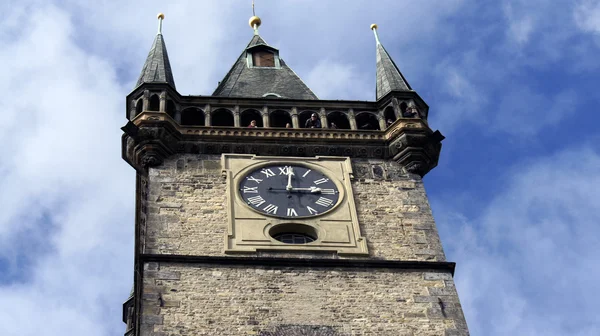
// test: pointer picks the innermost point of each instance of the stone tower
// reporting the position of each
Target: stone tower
(314, 222)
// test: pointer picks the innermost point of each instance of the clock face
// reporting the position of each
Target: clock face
(289, 191)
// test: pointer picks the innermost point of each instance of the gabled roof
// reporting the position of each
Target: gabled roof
(157, 68)
(246, 81)
(389, 77)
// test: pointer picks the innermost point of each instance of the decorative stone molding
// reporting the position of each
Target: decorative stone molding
(153, 136)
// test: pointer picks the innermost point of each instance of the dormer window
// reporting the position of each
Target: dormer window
(263, 58)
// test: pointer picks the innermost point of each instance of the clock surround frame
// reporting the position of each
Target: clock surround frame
(248, 230)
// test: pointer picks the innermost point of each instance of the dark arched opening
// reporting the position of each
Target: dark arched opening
(171, 108)
(192, 116)
(279, 118)
(154, 103)
(367, 121)
(403, 108)
(304, 116)
(139, 105)
(338, 120)
(248, 115)
(222, 117)
(389, 115)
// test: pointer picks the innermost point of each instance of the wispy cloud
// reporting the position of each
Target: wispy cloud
(527, 264)
(333, 80)
(66, 225)
(587, 15)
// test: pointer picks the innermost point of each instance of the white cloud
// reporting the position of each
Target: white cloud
(66, 221)
(587, 15)
(333, 80)
(520, 24)
(528, 264)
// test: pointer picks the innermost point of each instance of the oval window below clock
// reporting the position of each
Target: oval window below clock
(294, 233)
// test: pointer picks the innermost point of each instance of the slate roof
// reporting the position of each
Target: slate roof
(244, 81)
(389, 77)
(157, 68)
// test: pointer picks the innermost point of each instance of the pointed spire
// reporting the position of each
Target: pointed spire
(389, 77)
(157, 68)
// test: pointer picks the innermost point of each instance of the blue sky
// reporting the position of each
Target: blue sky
(512, 84)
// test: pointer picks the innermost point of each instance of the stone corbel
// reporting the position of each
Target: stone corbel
(417, 152)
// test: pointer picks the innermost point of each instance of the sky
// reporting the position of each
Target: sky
(512, 84)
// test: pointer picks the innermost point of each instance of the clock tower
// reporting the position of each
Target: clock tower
(264, 210)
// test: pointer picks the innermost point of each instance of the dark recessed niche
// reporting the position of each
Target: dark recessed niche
(293, 233)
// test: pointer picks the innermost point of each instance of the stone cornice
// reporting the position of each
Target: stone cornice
(365, 264)
(153, 136)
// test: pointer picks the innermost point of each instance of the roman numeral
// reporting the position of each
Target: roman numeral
(311, 210)
(308, 171)
(256, 200)
(322, 201)
(252, 178)
(271, 209)
(323, 180)
(328, 191)
(250, 190)
(284, 170)
(291, 212)
(268, 172)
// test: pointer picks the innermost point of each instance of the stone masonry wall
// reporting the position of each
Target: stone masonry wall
(187, 210)
(185, 299)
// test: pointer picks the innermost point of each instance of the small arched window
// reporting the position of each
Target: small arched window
(304, 116)
(403, 108)
(293, 233)
(171, 108)
(279, 118)
(247, 116)
(139, 105)
(192, 116)
(338, 120)
(222, 117)
(367, 121)
(154, 103)
(389, 115)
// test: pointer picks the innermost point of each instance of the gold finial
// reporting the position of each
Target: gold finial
(254, 20)
(160, 18)
(374, 29)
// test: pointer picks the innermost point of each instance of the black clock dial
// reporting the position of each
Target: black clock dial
(289, 191)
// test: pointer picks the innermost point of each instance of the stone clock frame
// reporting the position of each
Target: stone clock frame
(337, 230)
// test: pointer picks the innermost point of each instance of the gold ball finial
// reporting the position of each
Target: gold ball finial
(160, 16)
(373, 26)
(255, 20)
